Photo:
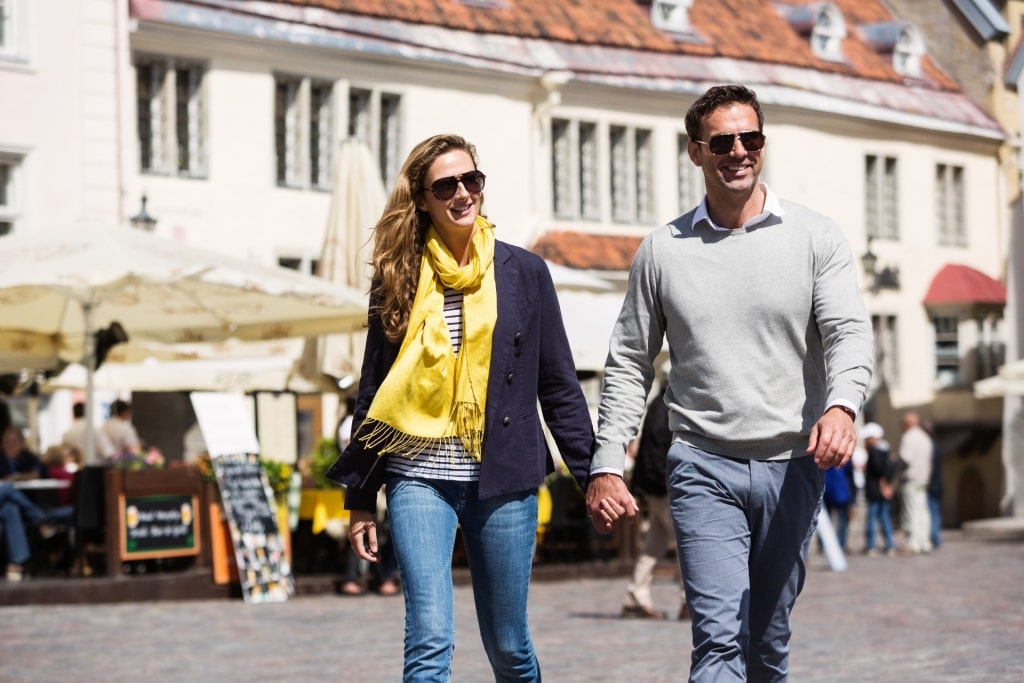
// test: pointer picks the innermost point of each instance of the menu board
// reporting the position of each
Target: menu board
(249, 507)
(158, 526)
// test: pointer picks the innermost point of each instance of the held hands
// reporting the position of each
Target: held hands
(833, 439)
(608, 499)
(362, 534)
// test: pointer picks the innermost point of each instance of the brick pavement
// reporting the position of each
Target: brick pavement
(953, 616)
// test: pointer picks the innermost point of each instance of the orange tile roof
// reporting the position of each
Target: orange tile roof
(740, 29)
(588, 251)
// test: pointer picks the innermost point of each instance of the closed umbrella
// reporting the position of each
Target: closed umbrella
(357, 201)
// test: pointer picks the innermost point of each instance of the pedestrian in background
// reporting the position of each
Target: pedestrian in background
(934, 488)
(878, 489)
(771, 356)
(840, 495)
(648, 484)
(465, 340)
(917, 451)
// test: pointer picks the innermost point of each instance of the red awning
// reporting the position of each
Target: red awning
(957, 284)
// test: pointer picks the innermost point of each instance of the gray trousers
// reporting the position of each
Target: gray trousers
(743, 528)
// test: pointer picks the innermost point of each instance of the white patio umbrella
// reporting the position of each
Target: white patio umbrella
(66, 284)
(357, 201)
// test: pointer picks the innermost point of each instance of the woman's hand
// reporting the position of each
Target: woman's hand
(362, 534)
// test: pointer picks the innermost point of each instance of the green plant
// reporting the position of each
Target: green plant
(323, 457)
(279, 475)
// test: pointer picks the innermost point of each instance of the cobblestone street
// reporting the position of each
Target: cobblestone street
(954, 615)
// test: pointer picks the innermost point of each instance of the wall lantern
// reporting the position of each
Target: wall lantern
(886, 278)
(142, 220)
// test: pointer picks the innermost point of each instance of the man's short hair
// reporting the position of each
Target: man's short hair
(716, 97)
(78, 410)
(120, 407)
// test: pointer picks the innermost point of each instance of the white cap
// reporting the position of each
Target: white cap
(872, 430)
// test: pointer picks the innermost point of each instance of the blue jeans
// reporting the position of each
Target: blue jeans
(878, 513)
(935, 511)
(15, 510)
(499, 535)
(743, 528)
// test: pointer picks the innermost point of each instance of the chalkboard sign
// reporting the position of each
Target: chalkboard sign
(249, 506)
(158, 526)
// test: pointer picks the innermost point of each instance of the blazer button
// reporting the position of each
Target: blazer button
(505, 422)
(508, 378)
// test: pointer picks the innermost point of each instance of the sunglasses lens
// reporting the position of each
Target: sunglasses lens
(752, 140)
(721, 144)
(445, 188)
(473, 181)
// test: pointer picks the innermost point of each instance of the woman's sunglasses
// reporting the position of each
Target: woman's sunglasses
(752, 141)
(445, 188)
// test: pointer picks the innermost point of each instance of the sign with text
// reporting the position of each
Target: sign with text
(158, 526)
(249, 507)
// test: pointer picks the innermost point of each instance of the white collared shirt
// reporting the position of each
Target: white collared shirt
(772, 207)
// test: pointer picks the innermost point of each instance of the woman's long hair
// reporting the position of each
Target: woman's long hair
(400, 235)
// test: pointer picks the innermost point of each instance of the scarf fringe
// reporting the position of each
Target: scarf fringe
(388, 440)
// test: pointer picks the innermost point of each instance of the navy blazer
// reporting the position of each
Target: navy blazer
(530, 362)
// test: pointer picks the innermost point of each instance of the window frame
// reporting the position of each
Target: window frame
(881, 196)
(10, 191)
(950, 205)
(374, 115)
(170, 116)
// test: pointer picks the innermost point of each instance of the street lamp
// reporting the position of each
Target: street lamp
(142, 220)
(886, 278)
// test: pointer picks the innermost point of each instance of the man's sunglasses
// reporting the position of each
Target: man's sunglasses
(752, 141)
(445, 188)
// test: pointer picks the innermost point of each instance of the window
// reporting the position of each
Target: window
(949, 205)
(631, 174)
(828, 33)
(907, 54)
(303, 144)
(169, 110)
(691, 177)
(10, 19)
(306, 265)
(574, 167)
(375, 117)
(881, 197)
(886, 350)
(8, 193)
(947, 351)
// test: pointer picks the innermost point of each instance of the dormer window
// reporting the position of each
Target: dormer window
(671, 15)
(899, 39)
(828, 33)
(821, 23)
(906, 57)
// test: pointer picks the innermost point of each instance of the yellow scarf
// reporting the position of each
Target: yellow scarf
(430, 397)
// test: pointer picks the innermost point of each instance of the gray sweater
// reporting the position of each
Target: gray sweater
(766, 328)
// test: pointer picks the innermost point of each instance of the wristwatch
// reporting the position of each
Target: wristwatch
(853, 415)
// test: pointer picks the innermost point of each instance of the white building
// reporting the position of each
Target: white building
(225, 114)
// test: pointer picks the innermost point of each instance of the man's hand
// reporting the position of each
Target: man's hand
(608, 499)
(833, 439)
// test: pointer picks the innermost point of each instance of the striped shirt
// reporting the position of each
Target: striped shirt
(449, 461)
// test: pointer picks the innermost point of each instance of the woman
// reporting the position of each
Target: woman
(460, 328)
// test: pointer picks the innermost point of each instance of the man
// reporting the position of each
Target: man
(771, 354)
(75, 436)
(119, 428)
(916, 450)
(878, 489)
(648, 482)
